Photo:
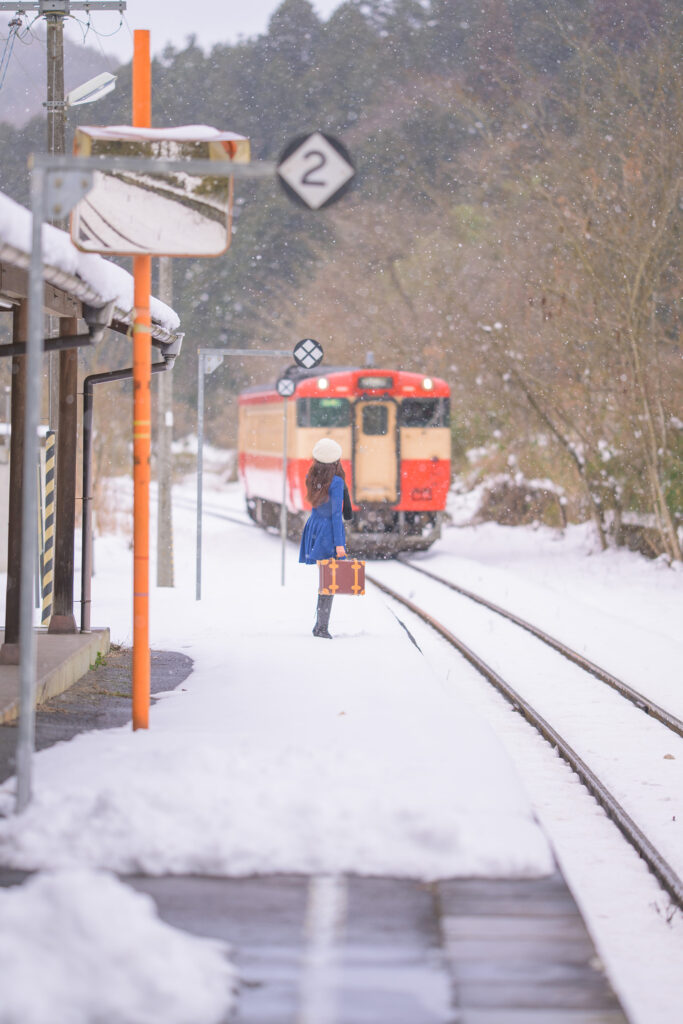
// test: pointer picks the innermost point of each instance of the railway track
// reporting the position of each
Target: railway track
(190, 505)
(667, 876)
(638, 699)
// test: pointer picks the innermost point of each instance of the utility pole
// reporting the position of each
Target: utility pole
(56, 143)
(55, 12)
(164, 439)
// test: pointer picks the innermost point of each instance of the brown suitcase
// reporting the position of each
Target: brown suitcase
(341, 576)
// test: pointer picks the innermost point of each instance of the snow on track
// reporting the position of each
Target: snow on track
(637, 758)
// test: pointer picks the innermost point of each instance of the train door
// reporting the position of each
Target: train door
(375, 451)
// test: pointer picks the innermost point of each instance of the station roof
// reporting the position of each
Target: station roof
(88, 278)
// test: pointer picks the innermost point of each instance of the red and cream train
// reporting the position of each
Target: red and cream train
(394, 431)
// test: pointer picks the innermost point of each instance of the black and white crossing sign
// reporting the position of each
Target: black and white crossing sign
(285, 387)
(308, 353)
(315, 170)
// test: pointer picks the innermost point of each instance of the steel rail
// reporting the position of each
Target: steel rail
(660, 868)
(642, 702)
(180, 501)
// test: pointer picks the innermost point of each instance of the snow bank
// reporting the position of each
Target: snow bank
(79, 946)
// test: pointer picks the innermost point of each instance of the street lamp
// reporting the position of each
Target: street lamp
(94, 89)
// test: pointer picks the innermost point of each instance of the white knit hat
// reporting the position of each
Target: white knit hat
(327, 450)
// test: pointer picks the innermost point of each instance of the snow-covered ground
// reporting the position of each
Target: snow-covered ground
(294, 755)
(285, 753)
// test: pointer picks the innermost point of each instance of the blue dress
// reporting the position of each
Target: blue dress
(324, 529)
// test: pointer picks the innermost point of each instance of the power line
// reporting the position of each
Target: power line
(14, 26)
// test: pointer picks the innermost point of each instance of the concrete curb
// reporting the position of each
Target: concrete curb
(61, 660)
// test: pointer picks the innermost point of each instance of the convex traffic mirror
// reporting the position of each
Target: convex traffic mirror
(161, 214)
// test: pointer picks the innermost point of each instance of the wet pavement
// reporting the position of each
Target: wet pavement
(519, 953)
(319, 950)
(101, 699)
(353, 950)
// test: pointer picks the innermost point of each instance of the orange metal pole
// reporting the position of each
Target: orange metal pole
(142, 79)
(142, 414)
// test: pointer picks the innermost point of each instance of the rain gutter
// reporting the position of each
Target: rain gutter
(121, 319)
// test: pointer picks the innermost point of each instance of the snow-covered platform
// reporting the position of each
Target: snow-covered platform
(282, 752)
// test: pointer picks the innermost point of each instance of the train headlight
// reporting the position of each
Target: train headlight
(323, 383)
(427, 384)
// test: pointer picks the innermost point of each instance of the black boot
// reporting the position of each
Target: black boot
(323, 619)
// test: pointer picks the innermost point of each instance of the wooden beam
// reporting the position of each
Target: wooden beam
(13, 281)
(56, 302)
(63, 620)
(9, 652)
(60, 303)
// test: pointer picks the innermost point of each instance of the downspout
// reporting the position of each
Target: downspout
(86, 525)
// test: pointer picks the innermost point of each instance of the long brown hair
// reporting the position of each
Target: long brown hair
(318, 480)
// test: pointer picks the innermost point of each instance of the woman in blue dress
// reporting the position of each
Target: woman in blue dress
(324, 535)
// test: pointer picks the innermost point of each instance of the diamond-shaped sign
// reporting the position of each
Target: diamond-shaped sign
(308, 353)
(315, 169)
(285, 387)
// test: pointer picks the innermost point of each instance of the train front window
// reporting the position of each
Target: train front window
(425, 412)
(375, 420)
(323, 412)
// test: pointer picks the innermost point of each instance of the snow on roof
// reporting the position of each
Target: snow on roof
(183, 133)
(109, 281)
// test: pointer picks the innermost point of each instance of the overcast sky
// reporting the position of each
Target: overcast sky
(212, 21)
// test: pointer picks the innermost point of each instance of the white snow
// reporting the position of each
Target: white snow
(285, 753)
(638, 936)
(79, 946)
(182, 133)
(112, 283)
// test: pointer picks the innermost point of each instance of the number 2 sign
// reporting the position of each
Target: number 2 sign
(315, 170)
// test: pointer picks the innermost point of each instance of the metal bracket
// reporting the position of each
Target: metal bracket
(61, 7)
(211, 361)
(63, 189)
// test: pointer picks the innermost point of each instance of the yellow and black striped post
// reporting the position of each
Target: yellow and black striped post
(41, 525)
(48, 554)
